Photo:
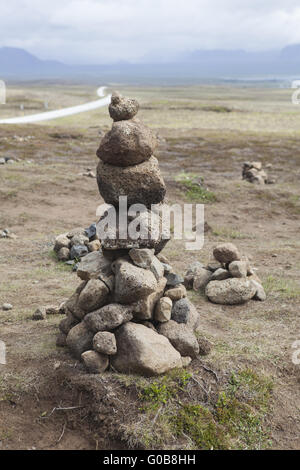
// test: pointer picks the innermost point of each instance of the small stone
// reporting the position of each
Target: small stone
(79, 339)
(238, 269)
(108, 317)
(226, 253)
(174, 279)
(142, 257)
(176, 293)
(122, 108)
(180, 311)
(96, 265)
(181, 337)
(79, 240)
(93, 296)
(91, 231)
(104, 342)
(52, 310)
(7, 307)
(39, 314)
(77, 251)
(213, 266)
(220, 274)
(62, 241)
(163, 309)
(63, 254)
(95, 363)
(95, 245)
(201, 279)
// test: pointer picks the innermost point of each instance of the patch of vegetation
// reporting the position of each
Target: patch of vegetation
(229, 234)
(217, 109)
(195, 190)
(286, 288)
(242, 409)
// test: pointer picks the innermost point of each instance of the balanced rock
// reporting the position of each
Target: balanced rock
(142, 184)
(230, 291)
(108, 317)
(143, 351)
(181, 337)
(238, 269)
(128, 143)
(226, 253)
(122, 108)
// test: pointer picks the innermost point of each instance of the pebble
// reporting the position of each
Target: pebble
(7, 307)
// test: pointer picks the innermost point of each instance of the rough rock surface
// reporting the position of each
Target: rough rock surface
(176, 293)
(95, 265)
(142, 257)
(127, 143)
(95, 363)
(163, 309)
(181, 337)
(122, 108)
(238, 269)
(108, 317)
(133, 283)
(144, 309)
(231, 291)
(104, 342)
(79, 339)
(93, 296)
(142, 184)
(143, 351)
(201, 279)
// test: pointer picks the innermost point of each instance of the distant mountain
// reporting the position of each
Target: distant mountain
(190, 67)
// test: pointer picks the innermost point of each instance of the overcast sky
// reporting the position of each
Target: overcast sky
(95, 31)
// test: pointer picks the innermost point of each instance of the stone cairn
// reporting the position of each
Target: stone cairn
(130, 312)
(228, 280)
(77, 243)
(253, 173)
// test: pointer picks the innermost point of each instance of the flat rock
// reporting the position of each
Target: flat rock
(230, 291)
(226, 253)
(142, 184)
(122, 108)
(108, 317)
(181, 337)
(143, 351)
(133, 283)
(127, 143)
(94, 362)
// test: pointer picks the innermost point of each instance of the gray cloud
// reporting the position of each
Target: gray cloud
(95, 31)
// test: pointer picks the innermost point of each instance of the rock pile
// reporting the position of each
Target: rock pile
(253, 172)
(228, 280)
(76, 243)
(130, 311)
(8, 160)
(6, 233)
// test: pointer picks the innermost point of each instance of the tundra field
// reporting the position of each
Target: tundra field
(245, 393)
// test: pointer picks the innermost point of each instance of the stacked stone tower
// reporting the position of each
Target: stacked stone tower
(130, 312)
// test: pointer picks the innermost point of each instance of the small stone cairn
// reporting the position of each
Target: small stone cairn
(228, 280)
(253, 173)
(76, 243)
(130, 312)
